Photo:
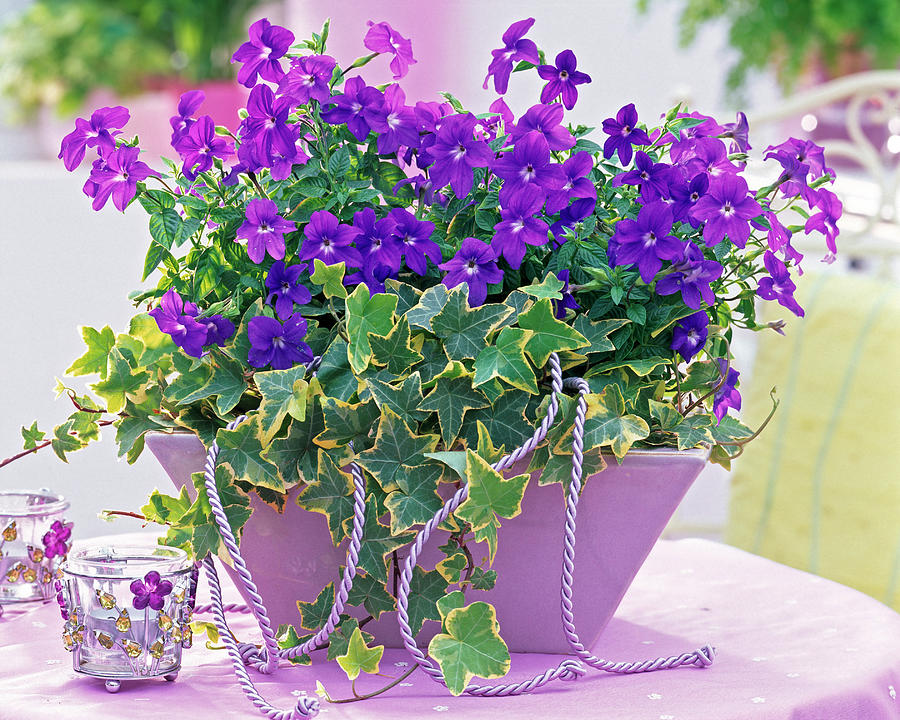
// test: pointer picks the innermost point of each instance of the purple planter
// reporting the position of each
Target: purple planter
(621, 513)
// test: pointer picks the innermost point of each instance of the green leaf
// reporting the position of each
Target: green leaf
(62, 442)
(464, 330)
(287, 638)
(359, 657)
(483, 579)
(607, 423)
(403, 399)
(282, 391)
(425, 589)
(241, 448)
(378, 543)
(454, 459)
(163, 509)
(470, 646)
(665, 414)
(227, 383)
(156, 343)
(641, 368)
(364, 315)
(505, 359)
(548, 288)
(32, 435)
(339, 640)
(165, 227)
(295, 454)
(694, 430)
(597, 333)
(395, 446)
(451, 399)
(416, 505)
(339, 162)
(119, 383)
(315, 614)
(490, 494)
(452, 568)
(450, 601)
(393, 351)
(130, 430)
(550, 335)
(430, 304)
(346, 423)
(556, 466)
(94, 361)
(730, 429)
(329, 493)
(235, 502)
(701, 374)
(407, 295)
(372, 595)
(330, 277)
(334, 373)
(504, 419)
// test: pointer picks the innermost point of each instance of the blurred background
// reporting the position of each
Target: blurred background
(820, 490)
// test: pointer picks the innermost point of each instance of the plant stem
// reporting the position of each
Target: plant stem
(387, 687)
(41, 446)
(256, 184)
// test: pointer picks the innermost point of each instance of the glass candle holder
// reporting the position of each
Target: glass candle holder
(34, 541)
(127, 611)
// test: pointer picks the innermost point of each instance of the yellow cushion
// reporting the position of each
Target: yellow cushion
(820, 488)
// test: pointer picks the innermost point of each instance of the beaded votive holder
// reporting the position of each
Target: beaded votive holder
(34, 540)
(127, 611)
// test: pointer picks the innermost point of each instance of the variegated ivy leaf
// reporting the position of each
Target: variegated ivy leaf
(339, 640)
(283, 392)
(334, 373)
(451, 398)
(549, 334)
(360, 658)
(430, 304)
(378, 543)
(701, 374)
(470, 645)
(395, 445)
(417, 500)
(286, 637)
(242, 449)
(665, 414)
(121, 381)
(452, 568)
(425, 590)
(371, 594)
(597, 333)
(730, 429)
(694, 430)
(408, 296)
(32, 436)
(505, 359)
(94, 361)
(346, 423)
(504, 419)
(483, 579)
(330, 277)
(490, 494)
(364, 315)
(465, 330)
(294, 454)
(403, 399)
(641, 368)
(549, 288)
(393, 350)
(607, 423)
(330, 493)
(315, 614)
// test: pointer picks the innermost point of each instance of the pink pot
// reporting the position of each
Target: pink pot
(621, 513)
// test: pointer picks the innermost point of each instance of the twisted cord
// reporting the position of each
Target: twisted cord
(306, 707)
(237, 608)
(701, 657)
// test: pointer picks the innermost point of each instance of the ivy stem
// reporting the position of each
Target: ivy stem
(387, 687)
(715, 388)
(41, 446)
(256, 184)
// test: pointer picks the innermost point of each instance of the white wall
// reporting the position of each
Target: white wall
(62, 265)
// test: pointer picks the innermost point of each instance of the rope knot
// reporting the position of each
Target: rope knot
(307, 707)
(572, 670)
(705, 656)
(254, 657)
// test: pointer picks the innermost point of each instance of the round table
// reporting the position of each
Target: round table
(790, 646)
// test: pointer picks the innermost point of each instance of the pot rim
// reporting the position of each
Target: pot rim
(52, 504)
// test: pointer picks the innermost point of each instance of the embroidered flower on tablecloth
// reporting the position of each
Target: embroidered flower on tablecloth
(757, 700)
(655, 696)
(440, 708)
(892, 692)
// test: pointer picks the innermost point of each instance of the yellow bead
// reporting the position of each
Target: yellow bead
(187, 638)
(10, 533)
(107, 601)
(164, 621)
(105, 640)
(29, 575)
(156, 649)
(132, 649)
(123, 623)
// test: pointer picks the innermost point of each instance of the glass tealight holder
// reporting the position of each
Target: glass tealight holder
(34, 541)
(127, 611)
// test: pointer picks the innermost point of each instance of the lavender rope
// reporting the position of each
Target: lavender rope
(569, 669)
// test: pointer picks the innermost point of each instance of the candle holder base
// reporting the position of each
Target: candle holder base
(171, 677)
(113, 686)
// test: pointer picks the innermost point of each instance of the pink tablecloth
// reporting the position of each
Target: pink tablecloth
(790, 647)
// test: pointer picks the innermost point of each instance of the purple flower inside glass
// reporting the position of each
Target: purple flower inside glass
(151, 591)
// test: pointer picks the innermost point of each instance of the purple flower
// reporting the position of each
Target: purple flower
(415, 238)
(575, 213)
(474, 264)
(60, 600)
(792, 181)
(825, 221)
(200, 145)
(93, 133)
(646, 241)
(152, 591)
(283, 164)
(707, 155)
(739, 132)
(692, 275)
(690, 334)
(500, 107)
(218, 330)
(779, 285)
(260, 55)
(564, 79)
(358, 103)
(176, 318)
(307, 79)
(118, 175)
(653, 178)
(326, 238)
(377, 244)
(382, 38)
(285, 287)
(685, 195)
(528, 165)
(394, 122)
(568, 299)
(803, 151)
(576, 185)
(187, 106)
(266, 128)
(545, 119)
(727, 395)
(515, 48)
(727, 209)
(56, 538)
(456, 153)
(623, 134)
(263, 229)
(519, 226)
(279, 346)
